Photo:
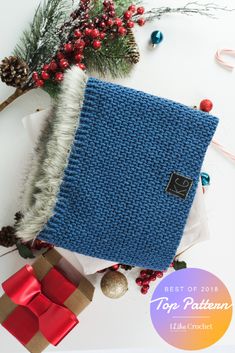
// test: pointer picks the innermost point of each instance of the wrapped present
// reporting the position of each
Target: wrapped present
(35, 309)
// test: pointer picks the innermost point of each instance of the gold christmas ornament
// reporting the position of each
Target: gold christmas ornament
(114, 284)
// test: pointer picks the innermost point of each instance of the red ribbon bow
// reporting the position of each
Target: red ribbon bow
(40, 305)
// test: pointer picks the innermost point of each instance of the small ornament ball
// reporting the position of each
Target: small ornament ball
(114, 284)
(206, 105)
(205, 178)
(156, 38)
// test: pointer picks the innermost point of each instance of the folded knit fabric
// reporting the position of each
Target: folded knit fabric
(115, 173)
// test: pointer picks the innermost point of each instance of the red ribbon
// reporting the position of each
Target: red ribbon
(40, 305)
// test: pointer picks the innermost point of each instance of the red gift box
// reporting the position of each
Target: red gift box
(42, 301)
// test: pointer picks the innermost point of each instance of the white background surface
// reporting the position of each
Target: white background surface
(182, 69)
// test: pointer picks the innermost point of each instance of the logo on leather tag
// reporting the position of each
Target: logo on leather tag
(179, 185)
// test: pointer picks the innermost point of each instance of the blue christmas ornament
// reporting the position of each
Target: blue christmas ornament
(205, 179)
(156, 38)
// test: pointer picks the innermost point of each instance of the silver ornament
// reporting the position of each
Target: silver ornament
(114, 284)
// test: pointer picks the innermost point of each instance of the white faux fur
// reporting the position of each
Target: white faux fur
(51, 157)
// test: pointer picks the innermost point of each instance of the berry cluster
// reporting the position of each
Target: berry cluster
(147, 276)
(88, 32)
(117, 267)
(38, 244)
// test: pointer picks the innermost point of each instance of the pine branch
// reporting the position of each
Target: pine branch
(18, 92)
(40, 41)
(191, 8)
(112, 59)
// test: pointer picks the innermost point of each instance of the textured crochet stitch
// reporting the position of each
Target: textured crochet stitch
(112, 201)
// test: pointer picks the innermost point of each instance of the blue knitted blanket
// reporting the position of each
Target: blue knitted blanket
(130, 177)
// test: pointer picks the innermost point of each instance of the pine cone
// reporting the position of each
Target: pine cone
(133, 53)
(18, 216)
(14, 71)
(7, 237)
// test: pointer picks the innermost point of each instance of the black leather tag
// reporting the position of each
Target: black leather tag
(179, 185)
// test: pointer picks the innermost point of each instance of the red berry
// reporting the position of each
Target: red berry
(81, 65)
(78, 57)
(111, 7)
(172, 264)
(79, 44)
(68, 47)
(39, 83)
(140, 10)
(115, 267)
(95, 33)
(102, 35)
(143, 273)
(145, 286)
(132, 8)
(87, 43)
(102, 24)
(144, 291)
(127, 15)
(53, 66)
(153, 277)
(109, 22)
(146, 281)
(206, 105)
(130, 24)
(106, 3)
(118, 22)
(112, 13)
(96, 44)
(105, 17)
(60, 55)
(139, 281)
(122, 31)
(150, 272)
(87, 32)
(159, 274)
(64, 64)
(45, 75)
(77, 33)
(141, 21)
(59, 76)
(35, 76)
(96, 20)
(46, 67)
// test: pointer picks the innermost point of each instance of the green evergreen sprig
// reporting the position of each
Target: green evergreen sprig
(40, 41)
